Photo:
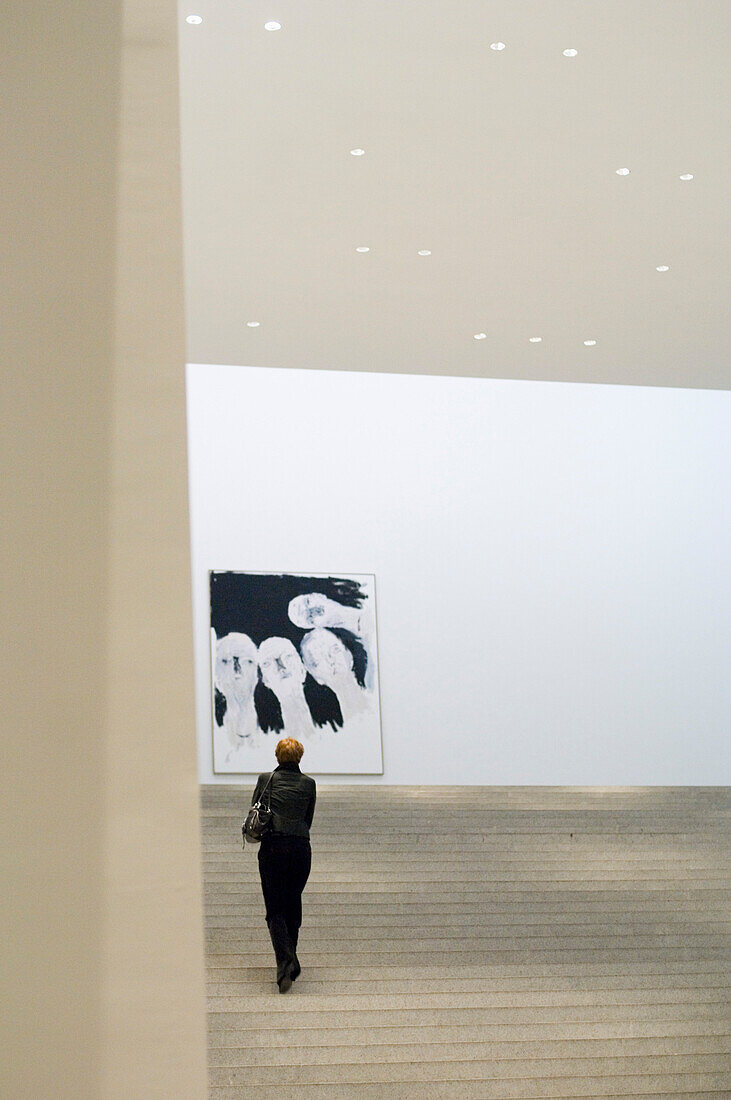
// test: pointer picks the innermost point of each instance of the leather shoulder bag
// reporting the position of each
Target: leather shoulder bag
(259, 818)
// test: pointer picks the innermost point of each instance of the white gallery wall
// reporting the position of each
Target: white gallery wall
(552, 561)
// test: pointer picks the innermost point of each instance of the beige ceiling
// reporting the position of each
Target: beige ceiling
(502, 163)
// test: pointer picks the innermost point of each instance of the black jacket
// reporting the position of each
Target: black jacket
(292, 797)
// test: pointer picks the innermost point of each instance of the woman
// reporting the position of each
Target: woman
(285, 855)
(283, 673)
(235, 680)
(329, 661)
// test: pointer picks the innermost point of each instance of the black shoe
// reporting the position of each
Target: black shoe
(285, 982)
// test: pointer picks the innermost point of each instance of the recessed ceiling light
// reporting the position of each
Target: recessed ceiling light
(590, 343)
(425, 252)
(357, 152)
(362, 248)
(253, 324)
(497, 45)
(480, 336)
(662, 268)
(536, 339)
(570, 53)
(623, 171)
(194, 20)
(272, 26)
(686, 176)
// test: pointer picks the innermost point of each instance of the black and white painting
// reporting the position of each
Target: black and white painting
(295, 656)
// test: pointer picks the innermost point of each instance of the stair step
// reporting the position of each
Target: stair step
(491, 942)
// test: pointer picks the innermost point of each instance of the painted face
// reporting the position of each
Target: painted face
(236, 660)
(325, 657)
(309, 610)
(280, 664)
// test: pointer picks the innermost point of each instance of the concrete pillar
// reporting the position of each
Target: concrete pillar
(103, 986)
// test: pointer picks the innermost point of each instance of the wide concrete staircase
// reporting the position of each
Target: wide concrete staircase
(479, 942)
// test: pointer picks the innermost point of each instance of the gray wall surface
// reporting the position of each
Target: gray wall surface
(551, 560)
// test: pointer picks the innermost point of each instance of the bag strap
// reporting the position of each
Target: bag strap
(267, 786)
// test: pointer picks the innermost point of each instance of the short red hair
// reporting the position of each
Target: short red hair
(289, 751)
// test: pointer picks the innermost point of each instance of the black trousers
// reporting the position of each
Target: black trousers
(284, 867)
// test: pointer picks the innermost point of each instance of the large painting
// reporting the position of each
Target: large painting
(295, 656)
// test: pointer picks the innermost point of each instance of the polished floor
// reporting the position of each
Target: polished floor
(479, 942)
